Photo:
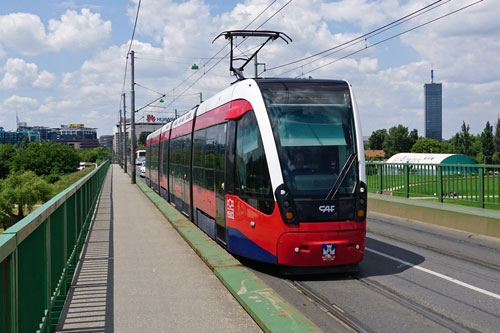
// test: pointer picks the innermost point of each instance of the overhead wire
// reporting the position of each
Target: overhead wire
(394, 36)
(364, 38)
(192, 84)
(128, 52)
(140, 85)
(213, 57)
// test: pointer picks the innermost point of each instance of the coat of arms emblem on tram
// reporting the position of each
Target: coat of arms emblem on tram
(328, 252)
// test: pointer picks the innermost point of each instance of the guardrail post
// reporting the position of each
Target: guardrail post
(380, 169)
(406, 171)
(481, 187)
(440, 183)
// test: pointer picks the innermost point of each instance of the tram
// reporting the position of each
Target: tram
(272, 169)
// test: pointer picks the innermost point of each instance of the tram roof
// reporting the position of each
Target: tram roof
(272, 80)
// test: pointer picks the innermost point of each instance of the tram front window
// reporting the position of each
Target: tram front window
(314, 130)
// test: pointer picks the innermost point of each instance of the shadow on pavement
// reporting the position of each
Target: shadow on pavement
(89, 306)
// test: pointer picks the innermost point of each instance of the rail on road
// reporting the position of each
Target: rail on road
(38, 256)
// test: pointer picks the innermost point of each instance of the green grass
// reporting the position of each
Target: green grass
(466, 187)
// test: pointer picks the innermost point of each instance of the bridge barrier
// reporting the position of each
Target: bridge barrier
(39, 254)
(469, 184)
(473, 220)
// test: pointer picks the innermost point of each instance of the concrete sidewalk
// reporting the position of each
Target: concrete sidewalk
(138, 275)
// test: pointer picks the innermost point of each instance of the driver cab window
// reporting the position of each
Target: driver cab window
(253, 183)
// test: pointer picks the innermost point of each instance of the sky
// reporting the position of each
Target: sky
(64, 62)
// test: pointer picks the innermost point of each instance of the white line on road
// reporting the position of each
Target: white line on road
(442, 276)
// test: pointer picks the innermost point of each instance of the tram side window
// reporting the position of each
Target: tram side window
(148, 156)
(154, 156)
(176, 157)
(208, 157)
(253, 183)
(179, 157)
(164, 148)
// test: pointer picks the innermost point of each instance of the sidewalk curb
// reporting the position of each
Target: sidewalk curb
(269, 310)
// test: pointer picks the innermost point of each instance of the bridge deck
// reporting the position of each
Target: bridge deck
(137, 274)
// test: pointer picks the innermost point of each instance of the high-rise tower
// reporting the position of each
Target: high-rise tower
(433, 109)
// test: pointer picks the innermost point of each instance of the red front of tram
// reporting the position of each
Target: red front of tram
(299, 195)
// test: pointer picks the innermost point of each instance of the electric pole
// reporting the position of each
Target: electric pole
(119, 144)
(132, 118)
(124, 136)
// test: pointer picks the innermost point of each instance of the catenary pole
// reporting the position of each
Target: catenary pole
(132, 119)
(124, 136)
(119, 144)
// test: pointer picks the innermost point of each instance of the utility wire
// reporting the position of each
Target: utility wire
(394, 36)
(222, 49)
(128, 52)
(363, 37)
(357, 40)
(192, 84)
(140, 85)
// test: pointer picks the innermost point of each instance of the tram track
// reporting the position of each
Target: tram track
(354, 324)
(410, 304)
(334, 311)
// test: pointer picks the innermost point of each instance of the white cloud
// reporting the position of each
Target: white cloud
(171, 35)
(78, 32)
(17, 102)
(19, 73)
(74, 31)
(44, 80)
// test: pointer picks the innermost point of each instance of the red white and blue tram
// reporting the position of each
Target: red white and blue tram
(272, 169)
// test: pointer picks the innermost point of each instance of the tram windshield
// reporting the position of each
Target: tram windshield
(314, 130)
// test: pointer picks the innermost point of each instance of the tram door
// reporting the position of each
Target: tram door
(186, 175)
(220, 193)
(225, 176)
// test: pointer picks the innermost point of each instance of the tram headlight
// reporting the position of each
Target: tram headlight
(286, 205)
(361, 196)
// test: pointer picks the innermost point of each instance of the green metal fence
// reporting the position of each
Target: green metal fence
(470, 184)
(38, 256)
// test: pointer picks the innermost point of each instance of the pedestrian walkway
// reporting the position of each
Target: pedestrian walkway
(137, 274)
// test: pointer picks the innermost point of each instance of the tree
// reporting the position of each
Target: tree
(24, 190)
(487, 143)
(96, 155)
(426, 145)
(142, 138)
(376, 140)
(6, 153)
(496, 155)
(398, 140)
(46, 158)
(463, 140)
(447, 147)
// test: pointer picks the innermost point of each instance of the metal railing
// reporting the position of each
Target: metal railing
(469, 184)
(39, 254)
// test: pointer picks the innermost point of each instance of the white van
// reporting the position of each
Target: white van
(140, 156)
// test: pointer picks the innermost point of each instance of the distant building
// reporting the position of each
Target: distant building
(139, 128)
(106, 141)
(74, 135)
(372, 153)
(433, 109)
(10, 137)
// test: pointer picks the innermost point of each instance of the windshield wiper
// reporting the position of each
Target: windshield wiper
(342, 175)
